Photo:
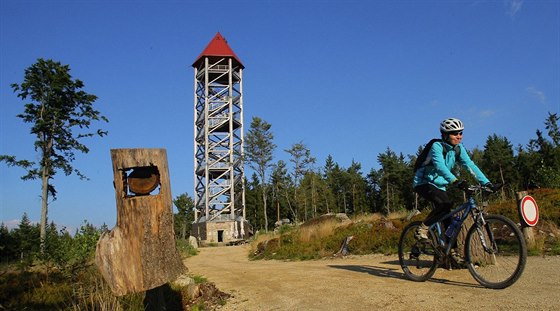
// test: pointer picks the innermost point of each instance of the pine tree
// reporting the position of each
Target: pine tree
(259, 151)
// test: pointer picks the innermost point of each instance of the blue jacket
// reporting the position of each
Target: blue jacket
(437, 171)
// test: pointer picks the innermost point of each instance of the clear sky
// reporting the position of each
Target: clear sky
(346, 78)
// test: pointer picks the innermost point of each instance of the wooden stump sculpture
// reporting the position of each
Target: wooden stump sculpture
(139, 254)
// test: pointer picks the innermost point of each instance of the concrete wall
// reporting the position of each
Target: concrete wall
(220, 231)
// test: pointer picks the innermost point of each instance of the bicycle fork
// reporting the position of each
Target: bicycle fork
(482, 226)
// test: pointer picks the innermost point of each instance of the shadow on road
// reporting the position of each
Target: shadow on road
(376, 271)
(396, 274)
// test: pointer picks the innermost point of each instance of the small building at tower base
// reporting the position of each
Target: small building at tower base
(221, 230)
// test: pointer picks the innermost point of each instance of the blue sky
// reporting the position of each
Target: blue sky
(347, 78)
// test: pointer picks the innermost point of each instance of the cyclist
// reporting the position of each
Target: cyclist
(432, 179)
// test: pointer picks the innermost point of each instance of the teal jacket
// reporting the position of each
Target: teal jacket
(437, 171)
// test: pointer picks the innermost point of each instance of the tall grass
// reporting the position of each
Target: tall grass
(322, 237)
(31, 290)
(317, 231)
(95, 294)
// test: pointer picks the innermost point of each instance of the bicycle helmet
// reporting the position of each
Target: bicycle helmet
(451, 125)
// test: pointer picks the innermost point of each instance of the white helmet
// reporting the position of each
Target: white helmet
(451, 125)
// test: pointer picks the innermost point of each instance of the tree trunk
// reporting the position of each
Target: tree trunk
(388, 204)
(44, 210)
(503, 183)
(44, 195)
(264, 203)
(139, 254)
(184, 230)
(277, 210)
(305, 207)
(294, 212)
(344, 201)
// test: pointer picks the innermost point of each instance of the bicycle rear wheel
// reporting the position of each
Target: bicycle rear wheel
(501, 261)
(417, 259)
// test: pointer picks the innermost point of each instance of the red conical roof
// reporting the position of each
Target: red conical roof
(217, 47)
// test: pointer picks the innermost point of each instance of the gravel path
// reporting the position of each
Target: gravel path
(371, 282)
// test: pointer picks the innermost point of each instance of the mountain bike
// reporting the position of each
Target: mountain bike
(495, 251)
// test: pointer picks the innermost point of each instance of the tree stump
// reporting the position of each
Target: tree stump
(478, 255)
(140, 254)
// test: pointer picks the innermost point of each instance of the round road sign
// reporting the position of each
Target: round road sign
(529, 210)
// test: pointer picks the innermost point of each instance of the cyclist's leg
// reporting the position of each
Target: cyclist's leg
(441, 201)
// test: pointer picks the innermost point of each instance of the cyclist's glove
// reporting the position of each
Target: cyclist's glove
(461, 184)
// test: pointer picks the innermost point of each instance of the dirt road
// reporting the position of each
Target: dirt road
(372, 282)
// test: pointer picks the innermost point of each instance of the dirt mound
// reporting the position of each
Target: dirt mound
(206, 296)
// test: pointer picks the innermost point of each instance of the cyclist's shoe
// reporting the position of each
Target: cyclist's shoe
(456, 255)
(421, 233)
(415, 252)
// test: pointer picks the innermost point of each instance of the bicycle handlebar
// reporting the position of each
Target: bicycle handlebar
(474, 188)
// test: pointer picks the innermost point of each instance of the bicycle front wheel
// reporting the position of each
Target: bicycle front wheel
(496, 253)
(417, 259)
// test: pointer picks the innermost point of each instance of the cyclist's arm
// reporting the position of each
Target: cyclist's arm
(467, 163)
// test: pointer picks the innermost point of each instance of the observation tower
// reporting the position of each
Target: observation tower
(218, 146)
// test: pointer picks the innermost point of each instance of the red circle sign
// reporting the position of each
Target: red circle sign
(529, 210)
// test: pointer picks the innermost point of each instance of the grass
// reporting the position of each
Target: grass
(322, 237)
(377, 233)
(32, 289)
(185, 249)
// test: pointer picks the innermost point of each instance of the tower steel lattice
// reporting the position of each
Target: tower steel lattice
(218, 144)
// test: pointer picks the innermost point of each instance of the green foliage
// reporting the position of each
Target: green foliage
(498, 160)
(70, 254)
(60, 114)
(21, 244)
(259, 149)
(183, 219)
(58, 105)
(548, 176)
(65, 252)
(199, 279)
(185, 249)
(396, 179)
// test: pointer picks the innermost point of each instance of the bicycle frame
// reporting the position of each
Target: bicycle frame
(467, 207)
(496, 262)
